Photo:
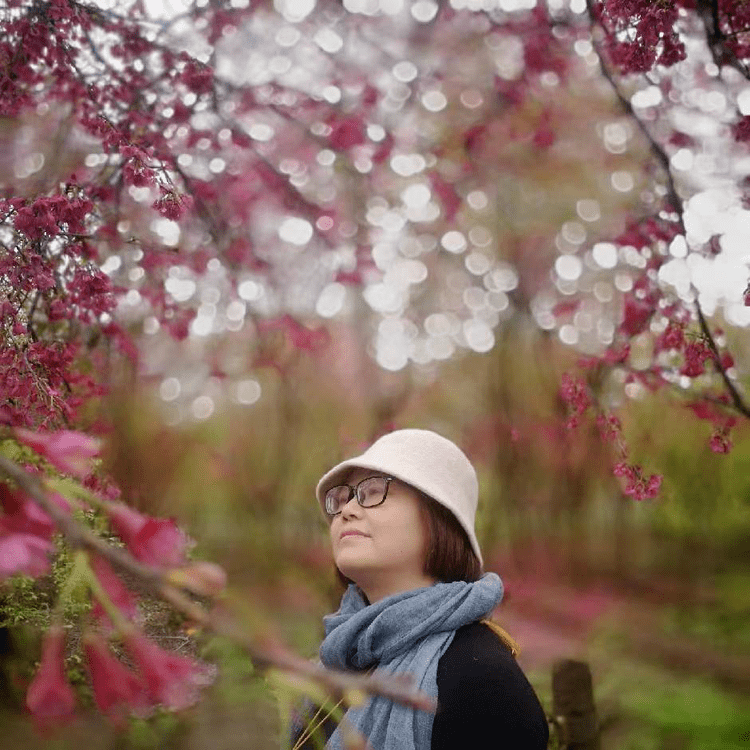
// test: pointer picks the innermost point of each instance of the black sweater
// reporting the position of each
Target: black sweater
(484, 699)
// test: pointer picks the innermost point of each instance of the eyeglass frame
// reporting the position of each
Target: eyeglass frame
(354, 492)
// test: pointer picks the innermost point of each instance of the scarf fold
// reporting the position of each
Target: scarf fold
(404, 633)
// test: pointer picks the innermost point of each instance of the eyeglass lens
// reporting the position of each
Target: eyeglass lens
(369, 492)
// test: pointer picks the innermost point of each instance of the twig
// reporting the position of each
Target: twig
(737, 400)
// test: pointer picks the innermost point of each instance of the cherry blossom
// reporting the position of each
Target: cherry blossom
(172, 680)
(68, 451)
(50, 697)
(155, 541)
(118, 691)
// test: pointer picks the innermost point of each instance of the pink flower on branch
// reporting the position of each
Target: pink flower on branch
(117, 690)
(202, 577)
(171, 680)
(23, 515)
(720, 442)
(696, 353)
(574, 392)
(637, 485)
(741, 129)
(23, 553)
(154, 541)
(135, 170)
(171, 204)
(50, 697)
(69, 452)
(115, 589)
(346, 132)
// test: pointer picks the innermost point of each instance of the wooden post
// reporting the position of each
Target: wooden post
(573, 709)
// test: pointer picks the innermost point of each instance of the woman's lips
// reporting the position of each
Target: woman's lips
(351, 533)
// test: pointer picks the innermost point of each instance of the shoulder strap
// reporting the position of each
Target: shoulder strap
(503, 635)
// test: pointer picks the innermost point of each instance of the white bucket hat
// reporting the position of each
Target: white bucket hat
(422, 459)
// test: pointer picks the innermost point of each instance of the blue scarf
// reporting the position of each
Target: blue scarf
(406, 632)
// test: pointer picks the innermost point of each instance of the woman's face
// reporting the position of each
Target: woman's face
(382, 549)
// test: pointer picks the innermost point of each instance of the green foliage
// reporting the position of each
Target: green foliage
(702, 715)
(161, 731)
(238, 681)
(26, 600)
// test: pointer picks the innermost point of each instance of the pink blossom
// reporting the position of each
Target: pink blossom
(197, 77)
(22, 513)
(543, 137)
(346, 132)
(637, 315)
(202, 577)
(637, 485)
(741, 129)
(36, 220)
(609, 427)
(696, 353)
(115, 589)
(117, 690)
(69, 452)
(154, 541)
(616, 354)
(720, 442)
(171, 680)
(23, 553)
(50, 697)
(135, 170)
(447, 194)
(301, 337)
(575, 394)
(672, 338)
(172, 205)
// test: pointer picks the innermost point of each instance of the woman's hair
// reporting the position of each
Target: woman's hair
(449, 554)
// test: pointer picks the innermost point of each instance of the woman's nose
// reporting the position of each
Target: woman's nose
(351, 507)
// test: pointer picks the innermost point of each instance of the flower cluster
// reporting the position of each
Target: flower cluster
(25, 534)
(575, 394)
(641, 34)
(638, 485)
(161, 678)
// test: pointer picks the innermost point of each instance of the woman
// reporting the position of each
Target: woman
(401, 520)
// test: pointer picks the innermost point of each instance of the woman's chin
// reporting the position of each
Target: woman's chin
(351, 567)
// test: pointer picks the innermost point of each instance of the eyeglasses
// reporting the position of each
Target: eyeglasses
(369, 493)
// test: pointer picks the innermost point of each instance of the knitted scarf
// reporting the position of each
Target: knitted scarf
(407, 632)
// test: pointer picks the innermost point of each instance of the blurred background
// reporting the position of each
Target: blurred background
(449, 320)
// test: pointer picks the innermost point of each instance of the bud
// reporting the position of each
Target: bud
(50, 697)
(202, 578)
(154, 541)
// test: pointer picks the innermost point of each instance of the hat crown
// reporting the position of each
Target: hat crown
(427, 459)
